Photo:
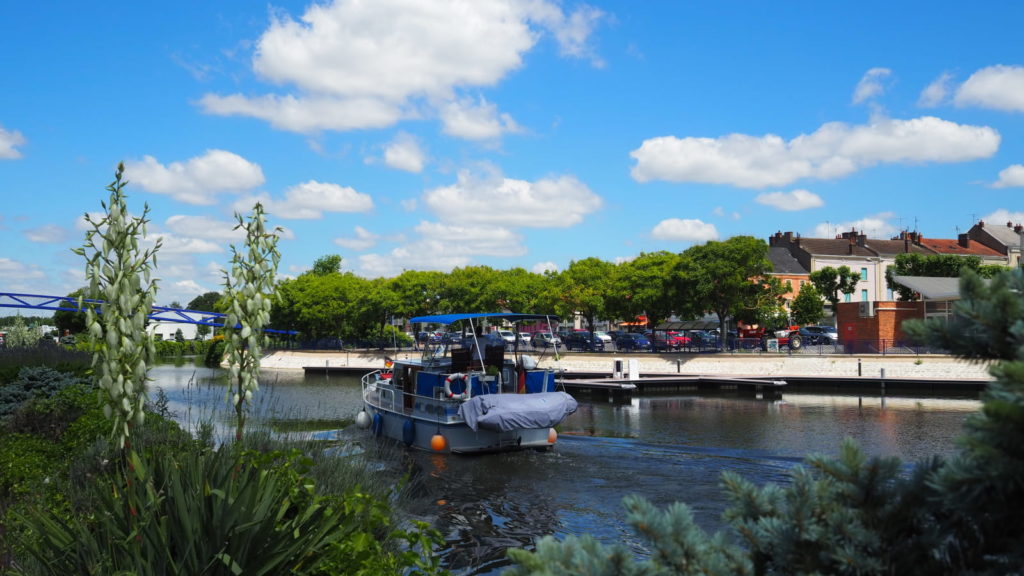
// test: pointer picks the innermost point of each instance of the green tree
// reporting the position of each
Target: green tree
(831, 282)
(68, 321)
(808, 307)
(582, 288)
(726, 278)
(647, 285)
(206, 302)
(932, 266)
(19, 335)
(981, 488)
(119, 274)
(324, 265)
(419, 292)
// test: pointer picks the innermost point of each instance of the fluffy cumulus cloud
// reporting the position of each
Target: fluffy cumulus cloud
(684, 230)
(48, 234)
(790, 201)
(442, 246)
(9, 142)
(542, 267)
(353, 64)
(197, 180)
(1011, 177)
(1002, 216)
(475, 120)
(15, 271)
(835, 150)
(309, 201)
(997, 87)
(878, 226)
(363, 240)
(404, 153)
(871, 85)
(557, 202)
(205, 227)
(936, 92)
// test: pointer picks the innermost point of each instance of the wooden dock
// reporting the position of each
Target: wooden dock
(623, 389)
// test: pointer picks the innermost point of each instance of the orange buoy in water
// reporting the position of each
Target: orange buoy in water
(552, 436)
(438, 443)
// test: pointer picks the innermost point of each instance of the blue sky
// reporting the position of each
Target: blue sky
(404, 134)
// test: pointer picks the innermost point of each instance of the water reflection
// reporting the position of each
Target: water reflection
(664, 448)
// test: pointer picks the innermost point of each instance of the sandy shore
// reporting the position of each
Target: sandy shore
(923, 367)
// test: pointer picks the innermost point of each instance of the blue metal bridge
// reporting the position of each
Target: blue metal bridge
(159, 313)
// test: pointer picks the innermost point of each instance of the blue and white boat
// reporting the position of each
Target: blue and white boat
(466, 394)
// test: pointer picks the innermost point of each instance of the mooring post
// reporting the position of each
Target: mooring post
(883, 381)
(859, 373)
(327, 369)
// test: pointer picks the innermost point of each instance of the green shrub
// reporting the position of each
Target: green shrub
(217, 512)
(12, 360)
(33, 382)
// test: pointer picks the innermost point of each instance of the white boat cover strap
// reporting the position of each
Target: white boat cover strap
(507, 412)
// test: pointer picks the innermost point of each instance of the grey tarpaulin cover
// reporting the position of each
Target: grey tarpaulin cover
(506, 412)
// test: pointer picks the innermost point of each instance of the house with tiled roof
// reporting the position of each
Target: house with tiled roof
(789, 271)
(962, 245)
(868, 257)
(1007, 240)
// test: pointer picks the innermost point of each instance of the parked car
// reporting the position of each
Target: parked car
(703, 339)
(583, 342)
(633, 341)
(545, 340)
(813, 335)
(507, 335)
(607, 339)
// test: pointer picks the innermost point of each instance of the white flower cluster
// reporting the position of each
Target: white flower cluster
(249, 289)
(119, 274)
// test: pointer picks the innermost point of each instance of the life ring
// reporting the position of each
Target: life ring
(448, 386)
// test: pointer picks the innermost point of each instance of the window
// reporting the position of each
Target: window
(863, 295)
(846, 297)
(864, 274)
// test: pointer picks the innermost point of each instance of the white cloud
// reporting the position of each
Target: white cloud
(444, 247)
(205, 227)
(15, 271)
(306, 114)
(542, 267)
(196, 180)
(936, 92)
(685, 230)
(309, 201)
(408, 204)
(1011, 177)
(9, 142)
(48, 234)
(557, 202)
(364, 239)
(1002, 216)
(174, 245)
(834, 150)
(404, 153)
(876, 226)
(359, 64)
(998, 87)
(790, 201)
(871, 85)
(475, 120)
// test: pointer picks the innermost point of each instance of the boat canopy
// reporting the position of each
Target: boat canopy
(452, 318)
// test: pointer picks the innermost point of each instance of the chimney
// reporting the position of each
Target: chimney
(963, 240)
(1018, 228)
(862, 240)
(906, 243)
(981, 223)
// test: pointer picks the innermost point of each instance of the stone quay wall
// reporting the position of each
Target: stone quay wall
(923, 367)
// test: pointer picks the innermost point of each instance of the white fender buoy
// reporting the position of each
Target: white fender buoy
(363, 419)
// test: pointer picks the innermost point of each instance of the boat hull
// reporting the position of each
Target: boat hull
(459, 438)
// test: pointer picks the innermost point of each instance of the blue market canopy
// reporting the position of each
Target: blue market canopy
(452, 318)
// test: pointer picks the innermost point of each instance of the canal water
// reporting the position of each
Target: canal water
(664, 448)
